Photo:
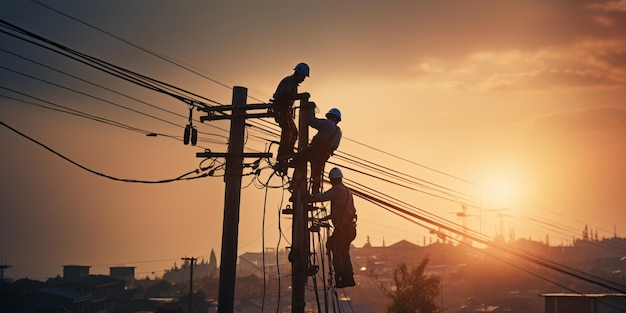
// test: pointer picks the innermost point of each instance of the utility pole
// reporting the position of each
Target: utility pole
(300, 229)
(192, 260)
(232, 196)
(2, 268)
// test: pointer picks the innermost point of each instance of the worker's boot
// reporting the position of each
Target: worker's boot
(344, 280)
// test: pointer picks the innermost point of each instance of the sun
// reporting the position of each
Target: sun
(501, 189)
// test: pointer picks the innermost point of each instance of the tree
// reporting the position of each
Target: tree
(415, 292)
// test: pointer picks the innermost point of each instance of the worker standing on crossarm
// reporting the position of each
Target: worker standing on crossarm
(343, 217)
(322, 146)
(284, 97)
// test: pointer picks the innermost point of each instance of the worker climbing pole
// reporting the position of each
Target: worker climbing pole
(282, 105)
(317, 153)
(321, 147)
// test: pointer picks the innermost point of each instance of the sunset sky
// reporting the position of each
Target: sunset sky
(520, 105)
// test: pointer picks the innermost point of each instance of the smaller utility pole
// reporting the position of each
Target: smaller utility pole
(2, 268)
(191, 260)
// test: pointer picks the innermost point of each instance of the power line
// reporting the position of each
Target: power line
(107, 67)
(67, 110)
(153, 53)
(181, 177)
(156, 54)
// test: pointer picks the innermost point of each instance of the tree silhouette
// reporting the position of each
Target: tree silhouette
(415, 292)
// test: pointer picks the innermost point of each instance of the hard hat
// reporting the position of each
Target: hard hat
(302, 68)
(335, 173)
(335, 112)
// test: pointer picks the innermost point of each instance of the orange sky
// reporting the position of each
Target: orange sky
(523, 98)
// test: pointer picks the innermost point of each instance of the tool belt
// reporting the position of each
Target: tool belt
(346, 221)
(322, 148)
(281, 110)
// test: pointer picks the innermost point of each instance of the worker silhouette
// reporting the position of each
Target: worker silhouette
(284, 97)
(343, 217)
(322, 146)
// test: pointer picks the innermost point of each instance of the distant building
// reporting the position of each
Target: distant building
(75, 272)
(251, 263)
(584, 303)
(125, 273)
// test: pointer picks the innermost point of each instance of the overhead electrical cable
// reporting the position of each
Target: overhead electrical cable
(91, 83)
(407, 177)
(179, 178)
(106, 101)
(168, 85)
(67, 110)
(168, 60)
(610, 285)
(156, 54)
(112, 69)
(112, 90)
(451, 197)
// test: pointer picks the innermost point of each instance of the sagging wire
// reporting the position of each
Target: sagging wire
(126, 180)
(263, 245)
(169, 60)
(281, 235)
(316, 227)
(255, 165)
(268, 165)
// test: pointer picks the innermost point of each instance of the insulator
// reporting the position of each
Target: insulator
(187, 134)
(194, 136)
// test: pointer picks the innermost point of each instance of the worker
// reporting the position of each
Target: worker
(322, 146)
(343, 217)
(284, 97)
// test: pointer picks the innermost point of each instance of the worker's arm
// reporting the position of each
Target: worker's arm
(287, 92)
(331, 194)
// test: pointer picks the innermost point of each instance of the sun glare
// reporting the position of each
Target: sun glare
(501, 190)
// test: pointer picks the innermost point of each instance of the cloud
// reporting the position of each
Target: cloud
(600, 124)
(586, 65)
(548, 79)
(619, 5)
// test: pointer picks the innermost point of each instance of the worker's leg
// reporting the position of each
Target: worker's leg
(343, 265)
(288, 137)
(317, 170)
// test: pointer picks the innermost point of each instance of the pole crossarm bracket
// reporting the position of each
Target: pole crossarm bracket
(225, 154)
(227, 117)
(223, 108)
(251, 106)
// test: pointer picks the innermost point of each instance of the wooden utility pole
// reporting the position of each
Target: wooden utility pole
(300, 229)
(232, 193)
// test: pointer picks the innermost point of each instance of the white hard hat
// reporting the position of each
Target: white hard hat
(335, 112)
(303, 69)
(335, 173)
